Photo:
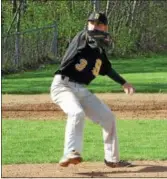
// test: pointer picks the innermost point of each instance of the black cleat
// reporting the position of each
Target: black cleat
(121, 163)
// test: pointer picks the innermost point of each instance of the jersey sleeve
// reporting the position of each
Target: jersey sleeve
(116, 77)
(76, 44)
(106, 67)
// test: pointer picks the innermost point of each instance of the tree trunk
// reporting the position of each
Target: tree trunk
(96, 5)
(70, 5)
(132, 17)
(14, 6)
(107, 6)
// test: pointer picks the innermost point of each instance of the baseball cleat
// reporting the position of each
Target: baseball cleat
(71, 158)
(121, 163)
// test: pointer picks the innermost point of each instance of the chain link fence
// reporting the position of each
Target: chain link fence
(29, 48)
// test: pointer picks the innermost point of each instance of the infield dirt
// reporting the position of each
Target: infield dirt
(138, 106)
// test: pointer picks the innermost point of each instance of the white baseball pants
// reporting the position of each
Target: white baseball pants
(77, 102)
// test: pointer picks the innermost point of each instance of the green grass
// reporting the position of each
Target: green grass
(42, 141)
(148, 75)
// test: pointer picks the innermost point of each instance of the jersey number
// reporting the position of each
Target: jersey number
(83, 63)
(97, 67)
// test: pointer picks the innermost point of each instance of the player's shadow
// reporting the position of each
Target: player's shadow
(146, 169)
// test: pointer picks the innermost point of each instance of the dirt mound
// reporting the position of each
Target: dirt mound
(87, 169)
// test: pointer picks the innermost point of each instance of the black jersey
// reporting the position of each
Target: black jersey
(83, 62)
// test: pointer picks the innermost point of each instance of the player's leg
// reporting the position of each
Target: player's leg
(100, 113)
(62, 95)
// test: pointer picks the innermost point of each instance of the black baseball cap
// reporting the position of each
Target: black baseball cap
(99, 17)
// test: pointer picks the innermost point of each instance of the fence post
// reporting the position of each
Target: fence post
(2, 52)
(54, 42)
(16, 59)
(17, 47)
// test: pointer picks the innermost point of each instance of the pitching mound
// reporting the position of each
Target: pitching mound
(88, 170)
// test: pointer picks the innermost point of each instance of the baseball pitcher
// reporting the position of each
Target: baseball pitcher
(83, 61)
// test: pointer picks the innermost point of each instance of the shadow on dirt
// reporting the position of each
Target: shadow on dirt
(146, 169)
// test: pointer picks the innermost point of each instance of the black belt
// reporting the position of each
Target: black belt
(69, 79)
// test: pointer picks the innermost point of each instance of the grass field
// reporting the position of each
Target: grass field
(42, 141)
(148, 75)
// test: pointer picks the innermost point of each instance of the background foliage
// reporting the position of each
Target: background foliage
(138, 27)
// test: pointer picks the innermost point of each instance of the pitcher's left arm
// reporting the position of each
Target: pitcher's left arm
(128, 88)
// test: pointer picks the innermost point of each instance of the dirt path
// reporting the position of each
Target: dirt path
(152, 106)
(138, 106)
